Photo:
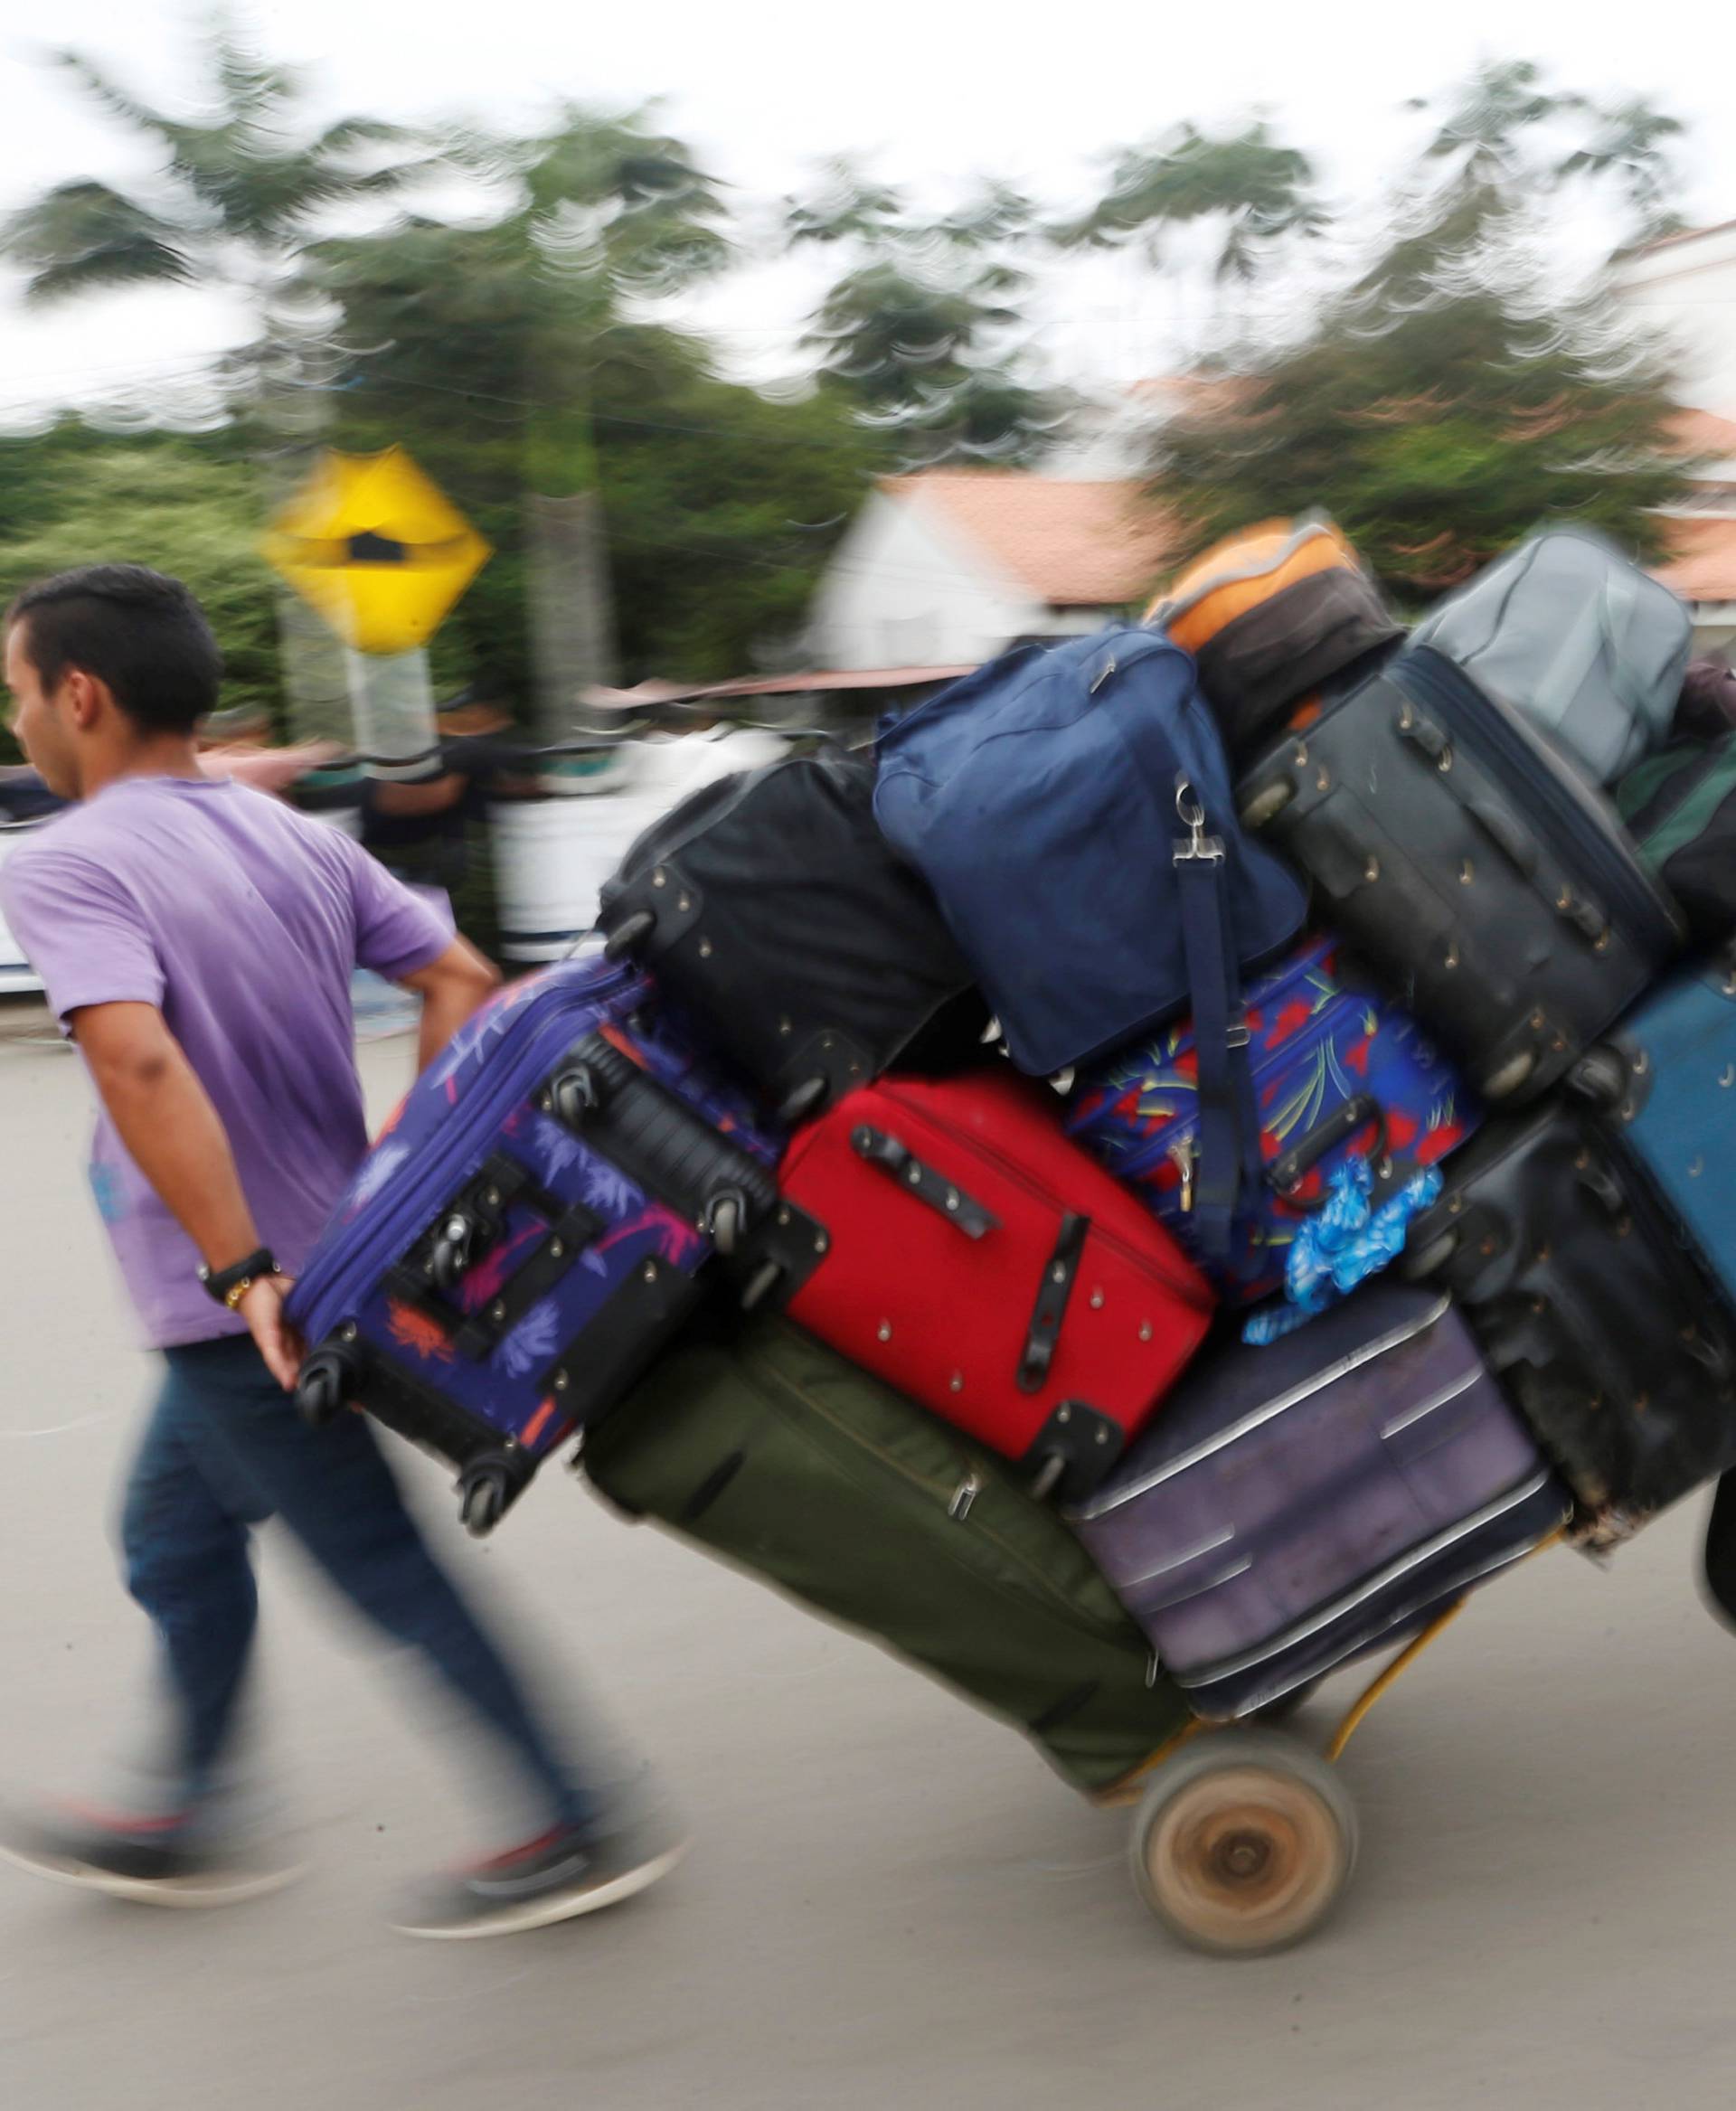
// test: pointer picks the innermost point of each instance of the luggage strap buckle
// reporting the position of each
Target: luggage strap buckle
(1198, 846)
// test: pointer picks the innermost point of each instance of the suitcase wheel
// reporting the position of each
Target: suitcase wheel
(1429, 1259)
(483, 1495)
(1268, 805)
(328, 1378)
(1600, 1076)
(449, 1256)
(725, 1219)
(761, 1284)
(575, 1094)
(1243, 1842)
(628, 934)
(806, 1099)
(1503, 1083)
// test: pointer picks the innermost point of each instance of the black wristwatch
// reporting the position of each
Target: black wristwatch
(229, 1285)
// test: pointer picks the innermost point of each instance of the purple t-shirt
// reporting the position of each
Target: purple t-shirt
(242, 920)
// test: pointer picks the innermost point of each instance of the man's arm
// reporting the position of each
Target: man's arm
(450, 988)
(176, 1136)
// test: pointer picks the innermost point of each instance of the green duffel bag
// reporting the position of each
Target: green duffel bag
(771, 1450)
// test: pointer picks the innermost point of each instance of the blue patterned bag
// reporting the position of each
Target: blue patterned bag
(532, 1224)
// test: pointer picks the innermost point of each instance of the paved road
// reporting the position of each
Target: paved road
(890, 1903)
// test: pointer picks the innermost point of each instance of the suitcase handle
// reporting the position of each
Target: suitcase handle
(1052, 1293)
(943, 1196)
(1288, 1171)
(1505, 831)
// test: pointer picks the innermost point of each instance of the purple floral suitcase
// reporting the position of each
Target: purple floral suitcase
(1296, 1505)
(1338, 1072)
(533, 1222)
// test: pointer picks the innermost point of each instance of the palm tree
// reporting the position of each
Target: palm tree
(600, 216)
(920, 327)
(1257, 188)
(234, 200)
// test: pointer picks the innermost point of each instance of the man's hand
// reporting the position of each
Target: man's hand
(276, 1340)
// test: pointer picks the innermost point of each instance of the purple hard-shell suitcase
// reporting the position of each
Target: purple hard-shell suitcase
(1295, 1505)
(530, 1227)
(1339, 1072)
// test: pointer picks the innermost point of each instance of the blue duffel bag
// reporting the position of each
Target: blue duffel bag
(1072, 806)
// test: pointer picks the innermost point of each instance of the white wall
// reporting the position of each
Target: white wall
(1688, 289)
(902, 590)
(16, 972)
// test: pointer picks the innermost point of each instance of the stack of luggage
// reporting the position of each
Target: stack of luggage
(1199, 1149)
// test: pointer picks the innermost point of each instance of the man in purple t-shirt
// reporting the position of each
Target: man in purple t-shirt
(197, 940)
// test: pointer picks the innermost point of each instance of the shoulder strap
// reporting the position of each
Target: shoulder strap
(1229, 1133)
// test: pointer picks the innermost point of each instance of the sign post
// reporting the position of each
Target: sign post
(381, 554)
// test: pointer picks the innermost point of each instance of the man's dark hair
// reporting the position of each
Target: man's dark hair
(140, 632)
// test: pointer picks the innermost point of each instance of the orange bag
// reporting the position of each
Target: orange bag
(1270, 613)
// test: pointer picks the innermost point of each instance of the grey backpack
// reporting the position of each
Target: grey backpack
(1566, 630)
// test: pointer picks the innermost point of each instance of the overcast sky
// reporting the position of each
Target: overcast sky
(945, 89)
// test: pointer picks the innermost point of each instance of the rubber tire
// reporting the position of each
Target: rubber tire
(724, 1220)
(450, 1260)
(628, 934)
(1505, 1081)
(323, 1388)
(1599, 1076)
(1266, 806)
(1429, 1259)
(760, 1285)
(575, 1096)
(1243, 1791)
(482, 1502)
(806, 1100)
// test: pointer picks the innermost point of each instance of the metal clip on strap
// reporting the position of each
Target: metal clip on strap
(943, 1196)
(1052, 1293)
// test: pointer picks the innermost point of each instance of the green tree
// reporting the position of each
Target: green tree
(1256, 190)
(189, 507)
(920, 329)
(1451, 396)
(482, 344)
(231, 205)
(722, 505)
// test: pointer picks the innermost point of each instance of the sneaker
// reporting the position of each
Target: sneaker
(162, 1861)
(557, 1877)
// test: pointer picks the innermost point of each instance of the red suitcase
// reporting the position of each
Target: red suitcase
(974, 1258)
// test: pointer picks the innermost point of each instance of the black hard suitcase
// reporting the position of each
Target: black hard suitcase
(1466, 857)
(1616, 1347)
(777, 918)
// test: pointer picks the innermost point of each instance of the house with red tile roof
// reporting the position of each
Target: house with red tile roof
(948, 566)
(1701, 529)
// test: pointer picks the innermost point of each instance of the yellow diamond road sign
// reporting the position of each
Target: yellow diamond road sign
(379, 550)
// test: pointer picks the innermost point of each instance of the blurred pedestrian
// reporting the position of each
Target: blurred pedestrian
(197, 940)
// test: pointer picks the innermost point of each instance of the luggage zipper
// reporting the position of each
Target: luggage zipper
(475, 1119)
(1579, 834)
(959, 1497)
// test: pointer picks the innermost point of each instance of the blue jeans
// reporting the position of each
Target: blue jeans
(225, 1449)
